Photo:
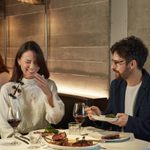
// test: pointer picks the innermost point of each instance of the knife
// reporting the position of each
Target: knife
(21, 139)
(26, 138)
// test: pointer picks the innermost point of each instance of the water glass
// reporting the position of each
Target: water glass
(74, 128)
(35, 140)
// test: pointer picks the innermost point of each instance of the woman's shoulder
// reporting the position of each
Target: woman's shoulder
(50, 81)
(7, 85)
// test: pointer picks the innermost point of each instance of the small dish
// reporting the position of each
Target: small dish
(122, 138)
(104, 118)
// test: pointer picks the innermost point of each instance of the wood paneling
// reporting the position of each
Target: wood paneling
(2, 27)
(139, 22)
(13, 7)
(78, 40)
(80, 43)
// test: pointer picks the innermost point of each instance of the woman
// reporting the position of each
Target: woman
(4, 73)
(36, 93)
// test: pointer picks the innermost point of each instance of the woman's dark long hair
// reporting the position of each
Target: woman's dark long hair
(3, 67)
(34, 47)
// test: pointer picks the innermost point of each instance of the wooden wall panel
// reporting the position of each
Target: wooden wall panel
(79, 68)
(78, 41)
(23, 28)
(2, 27)
(86, 86)
(2, 37)
(140, 26)
(85, 25)
(13, 7)
(72, 3)
(1, 9)
(80, 53)
(79, 44)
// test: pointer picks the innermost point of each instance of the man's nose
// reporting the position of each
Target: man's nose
(113, 66)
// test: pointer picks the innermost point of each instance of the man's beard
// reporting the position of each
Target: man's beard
(117, 74)
(124, 75)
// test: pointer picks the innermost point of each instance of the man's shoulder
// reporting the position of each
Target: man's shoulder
(145, 78)
(118, 81)
(146, 74)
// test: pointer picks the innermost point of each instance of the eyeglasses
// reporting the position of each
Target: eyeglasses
(118, 62)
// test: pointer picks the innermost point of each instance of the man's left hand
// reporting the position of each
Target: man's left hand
(122, 120)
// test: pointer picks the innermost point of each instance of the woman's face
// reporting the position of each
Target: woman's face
(28, 64)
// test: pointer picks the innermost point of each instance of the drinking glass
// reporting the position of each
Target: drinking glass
(35, 140)
(79, 113)
(14, 118)
(74, 128)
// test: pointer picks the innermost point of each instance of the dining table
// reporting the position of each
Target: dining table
(129, 143)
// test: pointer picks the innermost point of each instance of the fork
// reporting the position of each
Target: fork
(25, 138)
(21, 139)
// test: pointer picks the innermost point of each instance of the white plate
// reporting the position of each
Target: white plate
(36, 131)
(96, 146)
(123, 137)
(93, 147)
(8, 142)
(104, 118)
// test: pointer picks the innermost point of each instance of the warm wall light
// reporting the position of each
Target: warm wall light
(34, 2)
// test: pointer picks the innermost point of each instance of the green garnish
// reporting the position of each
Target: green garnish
(51, 129)
(110, 116)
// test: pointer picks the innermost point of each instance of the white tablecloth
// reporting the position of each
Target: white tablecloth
(131, 144)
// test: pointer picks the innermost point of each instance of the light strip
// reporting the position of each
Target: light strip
(34, 2)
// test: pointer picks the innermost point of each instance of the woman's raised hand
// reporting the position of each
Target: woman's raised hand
(42, 83)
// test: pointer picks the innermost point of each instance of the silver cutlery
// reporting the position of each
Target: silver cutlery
(24, 137)
(19, 138)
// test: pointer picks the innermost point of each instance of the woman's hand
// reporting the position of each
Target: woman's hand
(91, 111)
(42, 83)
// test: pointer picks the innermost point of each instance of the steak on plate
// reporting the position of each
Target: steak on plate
(111, 136)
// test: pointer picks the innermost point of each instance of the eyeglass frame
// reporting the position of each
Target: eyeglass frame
(118, 62)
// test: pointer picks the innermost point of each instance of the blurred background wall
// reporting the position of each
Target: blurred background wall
(75, 36)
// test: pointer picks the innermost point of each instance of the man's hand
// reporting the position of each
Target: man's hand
(122, 120)
(92, 110)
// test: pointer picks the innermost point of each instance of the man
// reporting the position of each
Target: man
(130, 91)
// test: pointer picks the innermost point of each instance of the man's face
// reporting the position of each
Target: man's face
(120, 67)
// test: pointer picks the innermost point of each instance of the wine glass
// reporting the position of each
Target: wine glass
(14, 118)
(79, 113)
